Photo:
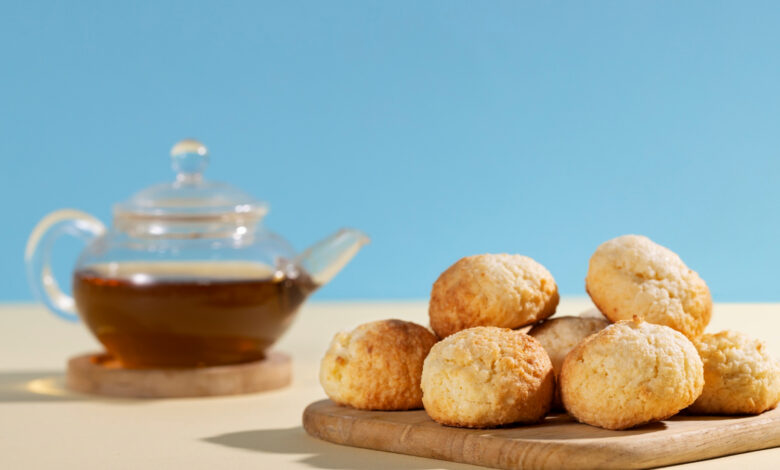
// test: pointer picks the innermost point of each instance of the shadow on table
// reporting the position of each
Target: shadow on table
(323, 454)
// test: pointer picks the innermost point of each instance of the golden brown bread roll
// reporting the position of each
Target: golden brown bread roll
(485, 377)
(631, 275)
(740, 377)
(507, 291)
(630, 373)
(377, 366)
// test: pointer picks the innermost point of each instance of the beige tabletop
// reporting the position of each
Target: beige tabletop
(44, 426)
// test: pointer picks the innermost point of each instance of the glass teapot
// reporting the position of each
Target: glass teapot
(187, 275)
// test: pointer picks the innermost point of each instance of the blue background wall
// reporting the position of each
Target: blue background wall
(441, 128)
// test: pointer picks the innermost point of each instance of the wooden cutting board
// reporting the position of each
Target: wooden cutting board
(557, 443)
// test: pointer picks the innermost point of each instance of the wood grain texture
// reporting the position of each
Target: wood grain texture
(556, 443)
(98, 374)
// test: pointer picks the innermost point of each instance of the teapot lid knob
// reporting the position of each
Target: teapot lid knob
(190, 157)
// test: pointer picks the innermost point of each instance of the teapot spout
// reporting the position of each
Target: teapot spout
(326, 258)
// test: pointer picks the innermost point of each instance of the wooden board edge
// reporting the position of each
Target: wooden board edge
(762, 434)
(699, 444)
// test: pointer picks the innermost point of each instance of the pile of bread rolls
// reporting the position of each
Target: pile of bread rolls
(494, 358)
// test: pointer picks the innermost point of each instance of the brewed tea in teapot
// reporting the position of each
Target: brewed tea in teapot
(187, 275)
(179, 303)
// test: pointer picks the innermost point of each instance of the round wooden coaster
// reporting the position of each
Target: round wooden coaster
(100, 374)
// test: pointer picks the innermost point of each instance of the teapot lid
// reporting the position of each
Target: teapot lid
(191, 196)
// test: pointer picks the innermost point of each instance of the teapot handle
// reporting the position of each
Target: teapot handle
(37, 256)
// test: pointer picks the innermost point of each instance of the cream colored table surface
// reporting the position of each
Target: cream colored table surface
(44, 426)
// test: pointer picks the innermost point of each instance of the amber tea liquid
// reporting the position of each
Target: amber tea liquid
(187, 314)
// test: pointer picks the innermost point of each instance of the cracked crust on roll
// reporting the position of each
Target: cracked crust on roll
(377, 366)
(631, 373)
(507, 291)
(631, 275)
(562, 334)
(740, 377)
(485, 377)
